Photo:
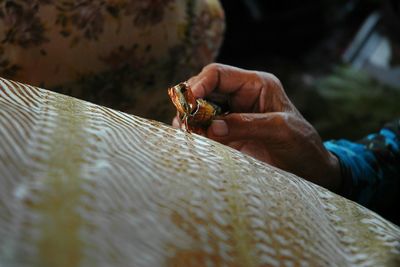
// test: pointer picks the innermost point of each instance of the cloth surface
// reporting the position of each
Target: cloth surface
(84, 185)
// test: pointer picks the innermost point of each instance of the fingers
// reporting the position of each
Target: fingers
(250, 91)
(176, 122)
(273, 128)
(223, 78)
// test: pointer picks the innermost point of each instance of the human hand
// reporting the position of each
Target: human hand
(265, 124)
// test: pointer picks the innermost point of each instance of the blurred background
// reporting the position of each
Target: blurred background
(339, 61)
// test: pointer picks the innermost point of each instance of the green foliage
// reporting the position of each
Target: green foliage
(350, 104)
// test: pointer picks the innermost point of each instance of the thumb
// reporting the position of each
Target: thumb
(268, 127)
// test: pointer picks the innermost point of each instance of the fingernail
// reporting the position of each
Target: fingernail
(196, 91)
(197, 88)
(219, 128)
(175, 123)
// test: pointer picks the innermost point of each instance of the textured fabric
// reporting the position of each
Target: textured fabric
(83, 185)
(118, 53)
(371, 170)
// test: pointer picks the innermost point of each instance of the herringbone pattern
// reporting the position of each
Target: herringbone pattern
(83, 185)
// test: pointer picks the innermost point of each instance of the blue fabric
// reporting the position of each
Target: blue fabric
(371, 170)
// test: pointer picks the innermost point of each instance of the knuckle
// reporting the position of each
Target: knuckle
(213, 67)
(282, 124)
(271, 81)
(275, 80)
(259, 75)
(258, 79)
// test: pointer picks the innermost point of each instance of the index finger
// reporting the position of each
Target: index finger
(223, 78)
(246, 88)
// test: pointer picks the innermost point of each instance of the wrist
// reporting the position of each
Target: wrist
(334, 174)
(342, 154)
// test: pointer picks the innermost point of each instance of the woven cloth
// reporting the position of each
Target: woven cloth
(84, 185)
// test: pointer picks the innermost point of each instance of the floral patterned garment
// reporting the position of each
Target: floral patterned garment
(371, 170)
(118, 53)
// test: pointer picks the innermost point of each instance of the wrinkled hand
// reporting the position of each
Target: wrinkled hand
(265, 124)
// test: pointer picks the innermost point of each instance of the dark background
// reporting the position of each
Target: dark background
(305, 40)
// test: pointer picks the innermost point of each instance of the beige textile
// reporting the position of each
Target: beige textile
(84, 185)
